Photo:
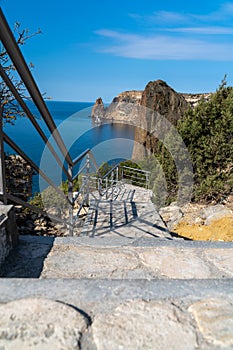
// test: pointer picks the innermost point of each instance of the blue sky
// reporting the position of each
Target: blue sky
(95, 48)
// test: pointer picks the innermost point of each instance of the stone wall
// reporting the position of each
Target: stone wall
(18, 177)
(8, 231)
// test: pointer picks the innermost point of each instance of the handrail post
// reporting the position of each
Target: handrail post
(88, 179)
(112, 183)
(70, 198)
(106, 187)
(117, 174)
(2, 161)
(147, 181)
(99, 184)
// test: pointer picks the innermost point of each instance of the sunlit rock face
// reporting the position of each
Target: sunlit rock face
(159, 104)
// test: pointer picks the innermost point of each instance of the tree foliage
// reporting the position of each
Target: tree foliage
(207, 131)
(10, 109)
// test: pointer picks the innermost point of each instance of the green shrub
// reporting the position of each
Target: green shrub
(207, 131)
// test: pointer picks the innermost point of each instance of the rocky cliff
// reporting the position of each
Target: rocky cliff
(144, 109)
(123, 107)
(159, 104)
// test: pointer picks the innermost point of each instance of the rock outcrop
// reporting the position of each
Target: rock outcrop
(160, 106)
(98, 110)
(161, 98)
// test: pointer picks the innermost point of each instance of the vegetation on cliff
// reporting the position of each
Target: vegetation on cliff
(207, 131)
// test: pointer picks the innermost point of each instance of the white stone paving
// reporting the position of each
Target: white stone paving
(131, 214)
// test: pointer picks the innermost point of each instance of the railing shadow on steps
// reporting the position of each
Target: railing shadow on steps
(104, 186)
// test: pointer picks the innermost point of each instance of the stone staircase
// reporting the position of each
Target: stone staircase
(125, 283)
(130, 214)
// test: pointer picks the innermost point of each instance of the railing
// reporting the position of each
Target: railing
(135, 176)
(13, 51)
(92, 183)
(109, 185)
(85, 189)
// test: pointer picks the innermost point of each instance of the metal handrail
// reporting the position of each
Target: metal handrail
(31, 117)
(105, 184)
(13, 50)
(110, 171)
(18, 150)
(134, 178)
(21, 66)
(81, 156)
(136, 169)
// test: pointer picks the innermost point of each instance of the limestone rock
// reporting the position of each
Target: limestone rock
(194, 99)
(171, 215)
(173, 263)
(86, 262)
(222, 261)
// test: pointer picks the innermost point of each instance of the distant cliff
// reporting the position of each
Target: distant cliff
(142, 108)
(123, 107)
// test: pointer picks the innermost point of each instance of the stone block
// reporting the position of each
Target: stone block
(8, 231)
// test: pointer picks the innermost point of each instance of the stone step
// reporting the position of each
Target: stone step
(106, 258)
(116, 314)
(117, 293)
(118, 258)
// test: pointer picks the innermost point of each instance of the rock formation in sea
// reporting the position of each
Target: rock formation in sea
(98, 110)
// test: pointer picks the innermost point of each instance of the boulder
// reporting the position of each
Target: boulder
(171, 215)
(214, 212)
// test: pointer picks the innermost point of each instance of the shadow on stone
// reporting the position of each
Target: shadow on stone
(27, 259)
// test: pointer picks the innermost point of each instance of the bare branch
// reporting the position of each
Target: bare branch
(11, 109)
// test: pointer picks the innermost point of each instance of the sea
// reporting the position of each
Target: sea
(110, 142)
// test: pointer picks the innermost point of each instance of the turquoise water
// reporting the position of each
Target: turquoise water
(108, 142)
